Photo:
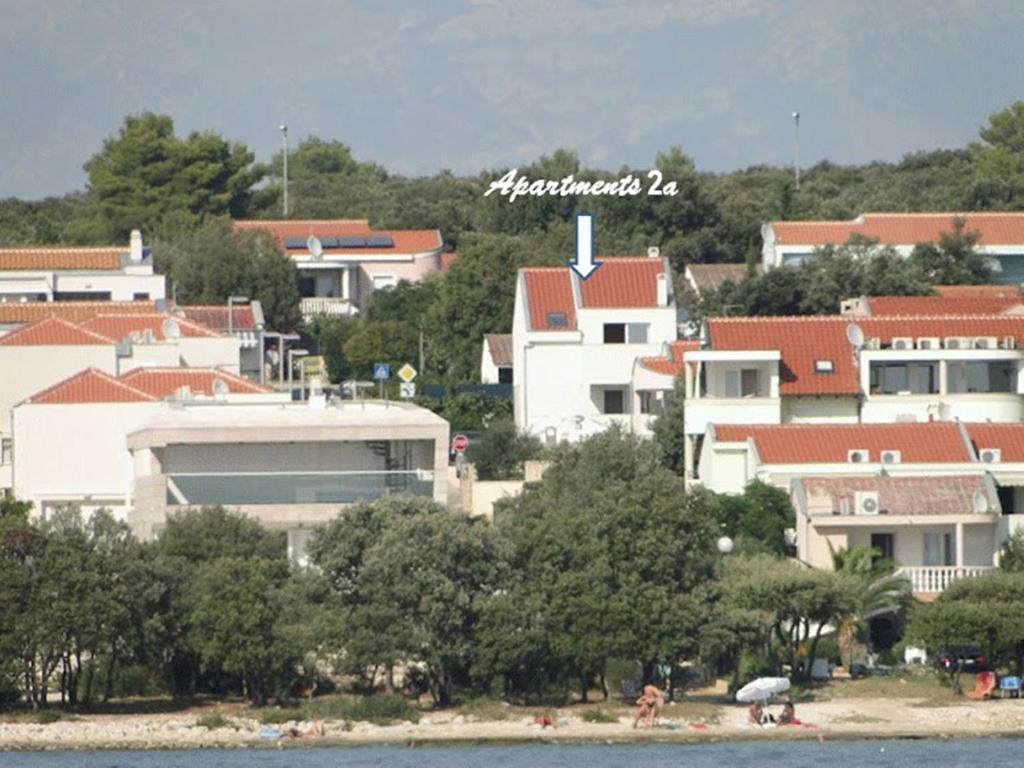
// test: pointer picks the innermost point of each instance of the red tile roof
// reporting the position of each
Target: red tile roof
(950, 495)
(52, 331)
(120, 326)
(671, 364)
(801, 341)
(105, 258)
(164, 382)
(1008, 438)
(906, 306)
(91, 386)
(406, 240)
(708, 277)
(73, 311)
(215, 317)
(623, 282)
(447, 259)
(500, 347)
(549, 289)
(921, 443)
(902, 228)
(980, 291)
(886, 328)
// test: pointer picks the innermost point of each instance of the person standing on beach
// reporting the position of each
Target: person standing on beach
(649, 706)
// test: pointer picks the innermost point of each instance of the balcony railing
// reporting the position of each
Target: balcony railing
(192, 488)
(936, 578)
(320, 306)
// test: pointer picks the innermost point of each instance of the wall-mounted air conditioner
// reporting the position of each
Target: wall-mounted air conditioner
(873, 343)
(891, 457)
(957, 342)
(866, 502)
(986, 342)
(902, 343)
(1009, 342)
(990, 455)
(857, 456)
(929, 342)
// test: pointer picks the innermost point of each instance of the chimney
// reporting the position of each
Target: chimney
(135, 251)
(653, 252)
(662, 290)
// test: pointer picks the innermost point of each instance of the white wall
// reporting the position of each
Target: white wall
(488, 370)
(159, 354)
(211, 352)
(122, 287)
(818, 410)
(701, 412)
(968, 407)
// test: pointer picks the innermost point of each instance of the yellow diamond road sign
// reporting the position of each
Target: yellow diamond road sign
(407, 373)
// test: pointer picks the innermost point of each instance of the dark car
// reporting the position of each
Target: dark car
(974, 660)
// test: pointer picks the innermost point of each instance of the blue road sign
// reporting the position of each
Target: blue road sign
(381, 371)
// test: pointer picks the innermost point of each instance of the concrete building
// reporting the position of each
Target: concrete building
(496, 359)
(1001, 236)
(14, 315)
(342, 261)
(247, 324)
(576, 343)
(106, 273)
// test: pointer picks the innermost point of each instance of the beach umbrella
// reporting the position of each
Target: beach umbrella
(762, 689)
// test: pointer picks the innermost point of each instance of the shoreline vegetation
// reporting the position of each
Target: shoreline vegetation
(906, 707)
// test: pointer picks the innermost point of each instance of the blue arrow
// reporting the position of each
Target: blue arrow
(584, 264)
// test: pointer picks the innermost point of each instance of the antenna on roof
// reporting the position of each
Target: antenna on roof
(171, 329)
(316, 248)
(220, 387)
(855, 336)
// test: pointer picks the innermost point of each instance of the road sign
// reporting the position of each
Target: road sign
(381, 371)
(407, 373)
(407, 390)
(460, 443)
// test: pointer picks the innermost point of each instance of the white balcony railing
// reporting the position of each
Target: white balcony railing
(935, 578)
(319, 306)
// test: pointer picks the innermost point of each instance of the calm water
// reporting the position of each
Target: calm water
(847, 754)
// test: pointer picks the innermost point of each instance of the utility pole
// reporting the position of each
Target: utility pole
(422, 371)
(284, 139)
(796, 150)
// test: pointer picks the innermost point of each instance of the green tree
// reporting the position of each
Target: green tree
(999, 161)
(499, 452)
(388, 341)
(331, 334)
(669, 428)
(757, 519)
(955, 259)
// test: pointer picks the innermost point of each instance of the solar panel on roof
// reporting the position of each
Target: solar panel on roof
(350, 241)
(380, 241)
(329, 242)
(295, 242)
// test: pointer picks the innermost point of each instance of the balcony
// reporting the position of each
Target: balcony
(326, 306)
(934, 579)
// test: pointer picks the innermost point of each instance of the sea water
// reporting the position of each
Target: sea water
(969, 753)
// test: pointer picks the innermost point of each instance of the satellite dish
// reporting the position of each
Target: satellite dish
(855, 335)
(220, 387)
(316, 248)
(980, 502)
(171, 329)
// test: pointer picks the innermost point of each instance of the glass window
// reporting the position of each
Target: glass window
(732, 383)
(885, 545)
(994, 376)
(614, 401)
(651, 403)
(824, 366)
(748, 382)
(638, 333)
(614, 333)
(557, 319)
(893, 378)
(504, 375)
(6, 450)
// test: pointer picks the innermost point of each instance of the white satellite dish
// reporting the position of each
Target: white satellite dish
(855, 335)
(220, 387)
(980, 502)
(171, 328)
(316, 248)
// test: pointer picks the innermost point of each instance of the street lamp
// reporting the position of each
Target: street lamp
(284, 139)
(291, 362)
(725, 545)
(232, 300)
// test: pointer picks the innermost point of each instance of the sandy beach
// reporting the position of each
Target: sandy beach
(846, 718)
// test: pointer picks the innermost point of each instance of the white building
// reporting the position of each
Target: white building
(106, 273)
(496, 359)
(341, 262)
(1001, 236)
(576, 344)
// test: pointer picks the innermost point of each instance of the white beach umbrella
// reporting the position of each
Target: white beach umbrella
(762, 689)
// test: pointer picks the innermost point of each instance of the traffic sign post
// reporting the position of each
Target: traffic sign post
(460, 443)
(381, 372)
(407, 373)
(407, 390)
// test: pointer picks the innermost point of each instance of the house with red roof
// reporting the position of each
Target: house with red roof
(342, 261)
(576, 345)
(496, 359)
(957, 300)
(74, 273)
(1001, 236)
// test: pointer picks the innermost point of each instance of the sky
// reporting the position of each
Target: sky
(471, 85)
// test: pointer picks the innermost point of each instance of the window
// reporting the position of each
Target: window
(824, 366)
(637, 333)
(614, 401)
(885, 545)
(995, 376)
(742, 383)
(384, 281)
(505, 375)
(557, 320)
(81, 296)
(893, 378)
(6, 450)
(938, 549)
(143, 296)
(614, 333)
(650, 402)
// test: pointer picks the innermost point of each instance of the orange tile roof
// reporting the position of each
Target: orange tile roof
(672, 364)
(980, 291)
(500, 347)
(406, 240)
(921, 443)
(447, 259)
(949, 495)
(902, 228)
(548, 289)
(90, 386)
(801, 341)
(941, 305)
(215, 316)
(105, 258)
(623, 282)
(886, 328)
(120, 326)
(73, 311)
(1008, 438)
(52, 331)
(164, 382)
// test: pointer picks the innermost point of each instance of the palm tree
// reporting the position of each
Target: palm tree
(880, 594)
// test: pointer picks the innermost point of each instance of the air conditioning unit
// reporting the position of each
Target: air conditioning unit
(986, 342)
(858, 456)
(956, 342)
(929, 342)
(873, 343)
(891, 457)
(902, 342)
(844, 507)
(990, 455)
(1009, 342)
(866, 502)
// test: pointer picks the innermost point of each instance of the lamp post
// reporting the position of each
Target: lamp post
(724, 545)
(291, 362)
(284, 141)
(796, 148)
(232, 300)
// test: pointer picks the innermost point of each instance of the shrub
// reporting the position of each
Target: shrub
(213, 722)
(378, 708)
(598, 716)
(48, 716)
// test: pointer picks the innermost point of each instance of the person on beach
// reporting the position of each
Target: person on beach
(755, 714)
(788, 716)
(649, 706)
(315, 730)
(544, 721)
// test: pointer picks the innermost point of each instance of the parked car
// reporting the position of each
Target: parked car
(974, 660)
